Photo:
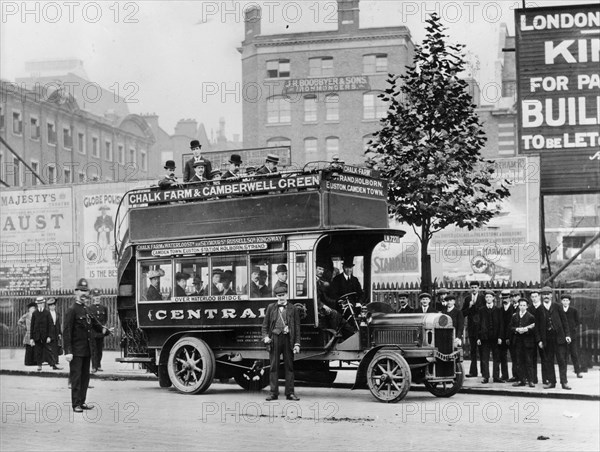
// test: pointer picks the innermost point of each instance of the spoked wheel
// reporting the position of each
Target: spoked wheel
(388, 376)
(255, 378)
(191, 365)
(447, 389)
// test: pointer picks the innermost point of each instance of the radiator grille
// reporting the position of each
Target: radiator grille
(444, 338)
(400, 337)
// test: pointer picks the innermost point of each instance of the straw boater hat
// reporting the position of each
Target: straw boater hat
(156, 273)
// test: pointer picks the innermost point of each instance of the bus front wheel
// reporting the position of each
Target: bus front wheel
(388, 376)
(191, 365)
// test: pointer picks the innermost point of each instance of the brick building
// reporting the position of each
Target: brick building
(317, 91)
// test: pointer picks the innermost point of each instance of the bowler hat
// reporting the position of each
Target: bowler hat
(235, 159)
(170, 164)
(195, 144)
(227, 275)
(524, 299)
(82, 285)
(40, 300)
(424, 295)
(280, 290)
(474, 283)
(281, 268)
(181, 275)
(272, 158)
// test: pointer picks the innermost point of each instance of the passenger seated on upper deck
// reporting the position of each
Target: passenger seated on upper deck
(188, 171)
(181, 283)
(250, 171)
(216, 174)
(199, 169)
(270, 166)
(226, 281)
(170, 180)
(235, 162)
(153, 292)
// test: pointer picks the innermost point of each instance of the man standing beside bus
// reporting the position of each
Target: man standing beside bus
(100, 312)
(281, 334)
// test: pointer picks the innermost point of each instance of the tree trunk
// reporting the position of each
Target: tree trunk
(425, 260)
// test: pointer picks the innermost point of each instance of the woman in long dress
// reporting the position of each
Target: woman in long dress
(25, 322)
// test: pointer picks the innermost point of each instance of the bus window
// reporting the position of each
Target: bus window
(267, 272)
(156, 281)
(197, 284)
(231, 273)
(301, 275)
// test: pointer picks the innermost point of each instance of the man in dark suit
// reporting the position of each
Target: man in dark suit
(539, 313)
(270, 166)
(199, 172)
(489, 330)
(235, 162)
(41, 324)
(282, 276)
(404, 306)
(181, 279)
(470, 309)
(573, 320)
(426, 306)
(557, 338)
(525, 336)
(515, 296)
(442, 294)
(78, 338)
(458, 321)
(100, 312)
(504, 346)
(188, 170)
(346, 282)
(153, 292)
(281, 333)
(170, 180)
(55, 332)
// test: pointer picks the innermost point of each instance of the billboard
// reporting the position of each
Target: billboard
(558, 86)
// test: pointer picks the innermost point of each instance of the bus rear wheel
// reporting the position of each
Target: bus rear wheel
(388, 376)
(191, 365)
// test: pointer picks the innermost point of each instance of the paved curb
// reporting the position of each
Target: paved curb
(464, 390)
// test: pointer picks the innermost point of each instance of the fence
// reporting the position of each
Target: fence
(14, 306)
(585, 299)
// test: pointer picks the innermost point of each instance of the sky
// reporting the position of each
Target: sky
(179, 59)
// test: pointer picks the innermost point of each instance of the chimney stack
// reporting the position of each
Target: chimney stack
(252, 17)
(348, 12)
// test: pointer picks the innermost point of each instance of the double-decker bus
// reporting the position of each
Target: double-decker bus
(188, 257)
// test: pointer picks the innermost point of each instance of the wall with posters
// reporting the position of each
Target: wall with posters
(506, 249)
(53, 235)
(558, 85)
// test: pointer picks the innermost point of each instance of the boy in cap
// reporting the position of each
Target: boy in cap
(100, 312)
(281, 333)
(270, 166)
(235, 162)
(77, 335)
(188, 170)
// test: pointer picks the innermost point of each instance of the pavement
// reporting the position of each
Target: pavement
(586, 388)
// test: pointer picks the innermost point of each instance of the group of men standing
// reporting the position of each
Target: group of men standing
(199, 168)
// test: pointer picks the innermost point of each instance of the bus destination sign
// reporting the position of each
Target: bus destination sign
(210, 246)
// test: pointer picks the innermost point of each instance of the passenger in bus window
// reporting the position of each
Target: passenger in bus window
(216, 287)
(199, 169)
(198, 286)
(257, 285)
(180, 283)
(270, 166)
(282, 276)
(227, 282)
(188, 171)
(235, 162)
(153, 292)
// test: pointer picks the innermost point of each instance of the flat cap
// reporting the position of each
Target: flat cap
(546, 289)
(280, 290)
(424, 295)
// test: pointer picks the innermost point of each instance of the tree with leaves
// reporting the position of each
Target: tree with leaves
(428, 147)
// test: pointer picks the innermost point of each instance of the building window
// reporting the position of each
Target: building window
(16, 172)
(278, 141)
(2, 117)
(95, 148)
(132, 155)
(310, 108)
(67, 174)
(320, 67)
(35, 167)
(51, 133)
(332, 146)
(143, 160)
(376, 63)
(17, 123)
(332, 112)
(121, 154)
(51, 174)
(310, 149)
(68, 138)
(278, 68)
(81, 177)
(81, 142)
(373, 106)
(108, 156)
(278, 110)
(34, 124)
